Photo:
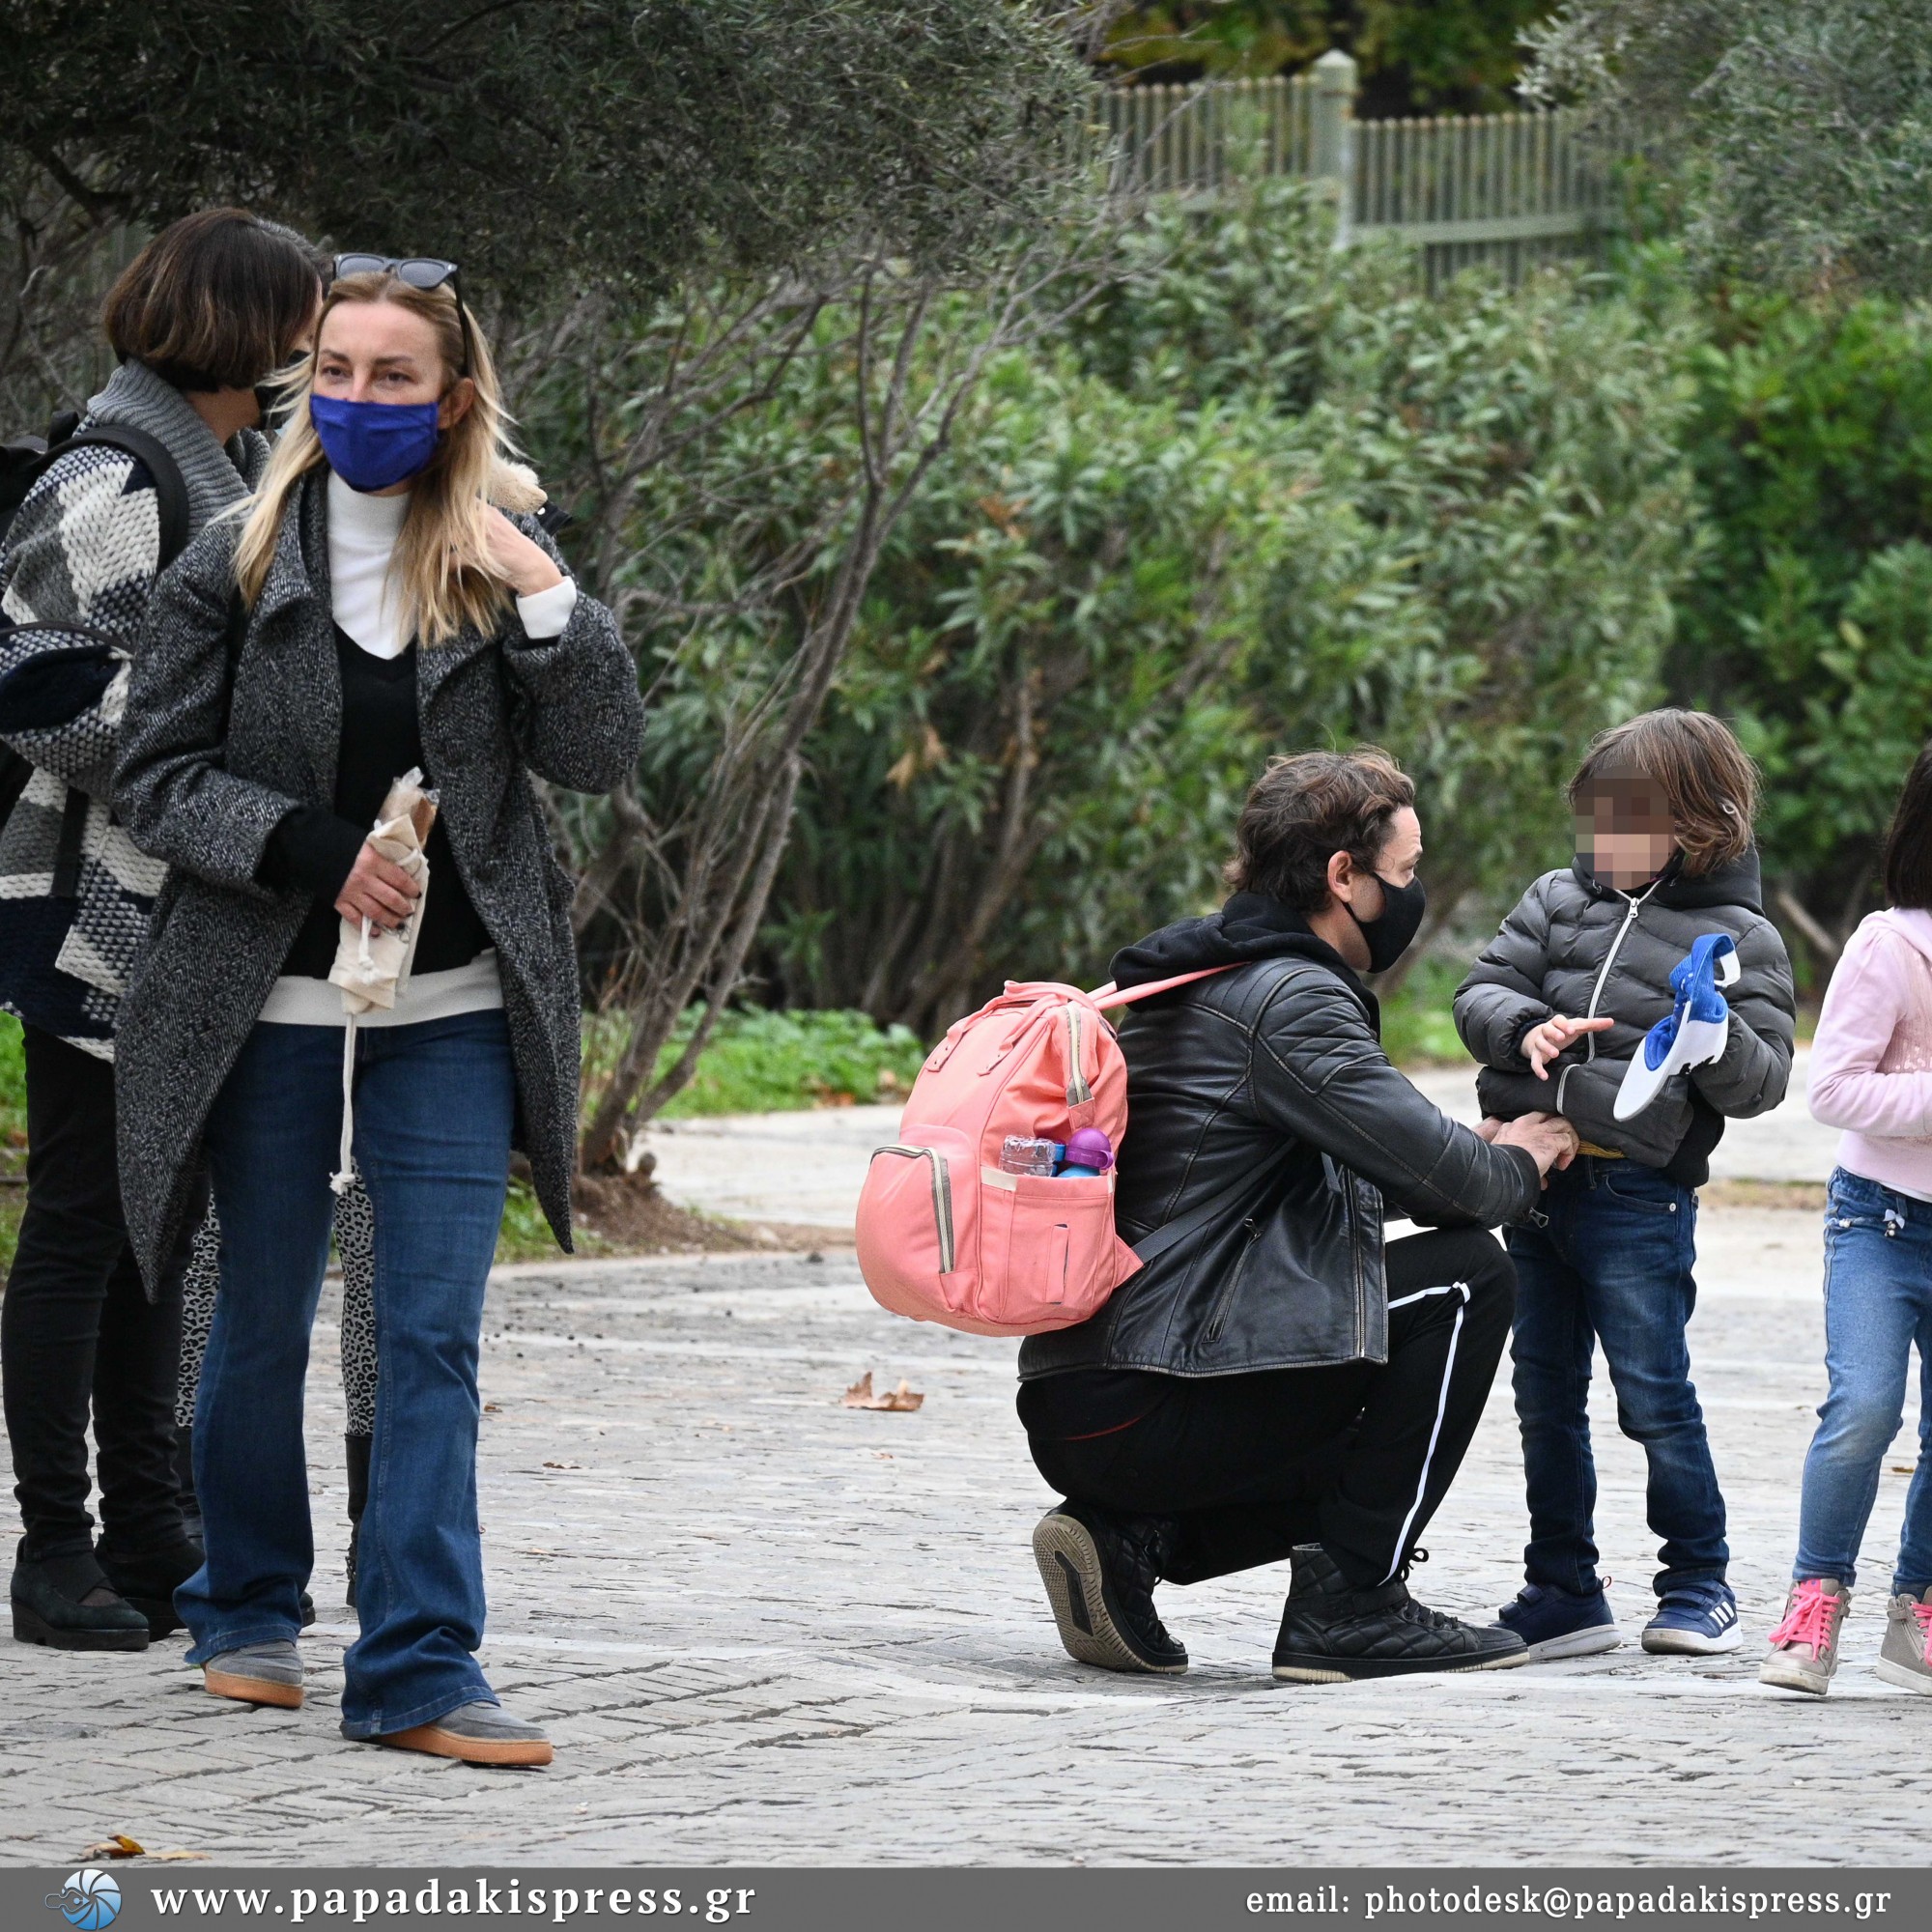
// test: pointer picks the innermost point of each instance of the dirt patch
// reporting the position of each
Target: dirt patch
(1799, 1196)
(626, 1215)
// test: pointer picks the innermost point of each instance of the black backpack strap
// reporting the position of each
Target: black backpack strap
(68, 848)
(1172, 1233)
(155, 456)
(15, 771)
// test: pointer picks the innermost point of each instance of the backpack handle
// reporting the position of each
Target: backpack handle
(1107, 997)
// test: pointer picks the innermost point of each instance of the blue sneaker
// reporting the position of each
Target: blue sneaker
(1558, 1623)
(1694, 1620)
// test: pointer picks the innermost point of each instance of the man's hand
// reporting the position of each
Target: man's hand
(378, 890)
(1548, 1139)
(1541, 1044)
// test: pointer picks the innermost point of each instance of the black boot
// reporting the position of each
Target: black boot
(67, 1603)
(1100, 1570)
(150, 1578)
(191, 1503)
(357, 1449)
(1331, 1632)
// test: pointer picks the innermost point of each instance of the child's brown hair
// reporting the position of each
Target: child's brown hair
(1707, 776)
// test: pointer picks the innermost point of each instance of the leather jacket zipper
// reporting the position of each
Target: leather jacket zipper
(942, 1196)
(1225, 1300)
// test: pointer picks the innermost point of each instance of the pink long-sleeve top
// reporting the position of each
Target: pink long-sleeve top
(1871, 1061)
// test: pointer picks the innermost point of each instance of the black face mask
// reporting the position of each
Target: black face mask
(1389, 936)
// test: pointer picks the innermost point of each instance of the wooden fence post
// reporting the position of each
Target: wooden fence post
(1332, 160)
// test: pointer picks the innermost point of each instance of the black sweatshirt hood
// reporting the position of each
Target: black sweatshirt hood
(1738, 884)
(1250, 927)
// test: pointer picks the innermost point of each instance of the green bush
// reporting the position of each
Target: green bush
(761, 1061)
(1262, 496)
(1810, 617)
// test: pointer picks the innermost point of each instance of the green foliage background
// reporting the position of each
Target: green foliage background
(1260, 495)
(1416, 56)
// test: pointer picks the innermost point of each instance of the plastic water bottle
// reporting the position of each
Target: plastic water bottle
(1088, 1152)
(1021, 1153)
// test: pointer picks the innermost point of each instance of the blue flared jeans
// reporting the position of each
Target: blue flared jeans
(1878, 1302)
(1610, 1258)
(434, 1109)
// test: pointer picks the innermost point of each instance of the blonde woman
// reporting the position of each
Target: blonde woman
(374, 611)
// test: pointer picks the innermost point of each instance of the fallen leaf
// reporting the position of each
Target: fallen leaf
(176, 1855)
(903, 1399)
(563, 1466)
(492, 1408)
(1903, 1468)
(119, 1846)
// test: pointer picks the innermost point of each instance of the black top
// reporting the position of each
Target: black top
(314, 849)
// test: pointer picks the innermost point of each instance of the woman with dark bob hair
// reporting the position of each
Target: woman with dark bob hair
(208, 308)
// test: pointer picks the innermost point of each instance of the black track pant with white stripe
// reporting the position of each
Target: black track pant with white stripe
(1356, 1457)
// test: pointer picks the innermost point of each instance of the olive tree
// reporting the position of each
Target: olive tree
(1803, 133)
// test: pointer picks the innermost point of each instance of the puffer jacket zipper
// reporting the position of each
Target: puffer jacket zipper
(1636, 905)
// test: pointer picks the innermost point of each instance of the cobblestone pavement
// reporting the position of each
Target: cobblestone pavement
(763, 1627)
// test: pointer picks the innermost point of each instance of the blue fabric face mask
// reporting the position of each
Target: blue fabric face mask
(371, 445)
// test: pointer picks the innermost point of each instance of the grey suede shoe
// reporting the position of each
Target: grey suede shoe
(477, 1733)
(258, 1673)
(1905, 1657)
(1803, 1650)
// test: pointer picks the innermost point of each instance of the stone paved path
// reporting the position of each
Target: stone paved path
(806, 1168)
(767, 1628)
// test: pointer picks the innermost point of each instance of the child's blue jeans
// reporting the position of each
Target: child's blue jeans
(434, 1106)
(1878, 1301)
(1610, 1258)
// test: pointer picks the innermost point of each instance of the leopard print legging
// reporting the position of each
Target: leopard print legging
(355, 1248)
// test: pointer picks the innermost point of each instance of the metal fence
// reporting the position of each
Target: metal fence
(1508, 190)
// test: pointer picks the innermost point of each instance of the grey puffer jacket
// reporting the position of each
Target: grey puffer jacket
(214, 758)
(1577, 947)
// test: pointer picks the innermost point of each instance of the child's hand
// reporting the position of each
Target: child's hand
(1541, 1044)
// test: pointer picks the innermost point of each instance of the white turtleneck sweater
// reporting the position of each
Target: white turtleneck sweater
(362, 534)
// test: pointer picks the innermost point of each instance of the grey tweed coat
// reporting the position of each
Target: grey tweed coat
(211, 759)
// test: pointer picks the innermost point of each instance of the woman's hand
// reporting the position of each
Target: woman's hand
(524, 566)
(1541, 1044)
(378, 890)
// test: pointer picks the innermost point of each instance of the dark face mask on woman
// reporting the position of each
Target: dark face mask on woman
(1389, 935)
(373, 445)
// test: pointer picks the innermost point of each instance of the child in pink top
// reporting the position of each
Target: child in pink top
(1871, 1074)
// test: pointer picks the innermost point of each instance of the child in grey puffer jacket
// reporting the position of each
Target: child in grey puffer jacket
(1555, 1009)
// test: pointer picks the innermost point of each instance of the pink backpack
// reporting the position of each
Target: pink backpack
(943, 1234)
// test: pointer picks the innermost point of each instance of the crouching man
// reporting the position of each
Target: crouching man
(1276, 1382)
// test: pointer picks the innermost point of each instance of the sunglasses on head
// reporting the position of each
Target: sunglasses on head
(416, 272)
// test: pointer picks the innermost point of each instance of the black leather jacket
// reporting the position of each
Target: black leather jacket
(1265, 1091)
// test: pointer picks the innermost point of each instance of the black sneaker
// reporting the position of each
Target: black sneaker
(1100, 1570)
(1331, 1632)
(66, 1603)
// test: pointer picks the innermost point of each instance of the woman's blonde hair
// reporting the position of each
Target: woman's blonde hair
(444, 575)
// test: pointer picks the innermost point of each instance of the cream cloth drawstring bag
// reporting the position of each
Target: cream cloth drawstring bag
(373, 967)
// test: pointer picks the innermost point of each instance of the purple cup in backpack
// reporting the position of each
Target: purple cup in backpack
(1088, 1152)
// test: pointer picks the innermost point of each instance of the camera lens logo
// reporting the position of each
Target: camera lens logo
(89, 1900)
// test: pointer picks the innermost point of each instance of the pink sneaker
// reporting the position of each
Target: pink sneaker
(1803, 1648)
